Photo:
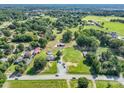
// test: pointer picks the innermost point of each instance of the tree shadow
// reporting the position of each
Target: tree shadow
(32, 71)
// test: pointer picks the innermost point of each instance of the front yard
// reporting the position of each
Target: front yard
(74, 61)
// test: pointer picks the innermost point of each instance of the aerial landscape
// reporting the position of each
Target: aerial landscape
(61, 46)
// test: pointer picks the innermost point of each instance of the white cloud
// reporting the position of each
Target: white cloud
(61, 1)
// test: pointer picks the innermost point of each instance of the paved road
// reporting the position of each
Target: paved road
(66, 76)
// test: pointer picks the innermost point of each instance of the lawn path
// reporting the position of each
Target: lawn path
(68, 83)
(94, 83)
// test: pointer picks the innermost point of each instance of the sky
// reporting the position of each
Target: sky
(61, 1)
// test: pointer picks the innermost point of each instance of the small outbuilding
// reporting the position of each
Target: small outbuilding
(49, 53)
(85, 53)
(4, 59)
(18, 60)
(60, 45)
(36, 51)
(113, 34)
(50, 56)
(27, 54)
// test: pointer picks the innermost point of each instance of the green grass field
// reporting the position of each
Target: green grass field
(74, 84)
(101, 18)
(115, 26)
(36, 84)
(94, 27)
(112, 26)
(104, 84)
(74, 60)
(51, 68)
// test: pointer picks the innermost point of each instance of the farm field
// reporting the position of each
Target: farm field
(36, 84)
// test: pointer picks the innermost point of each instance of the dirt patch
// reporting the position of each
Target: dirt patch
(71, 64)
(70, 44)
(6, 85)
(46, 68)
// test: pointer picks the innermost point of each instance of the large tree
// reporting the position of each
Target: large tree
(116, 43)
(67, 36)
(42, 42)
(39, 63)
(83, 82)
(87, 42)
(2, 78)
(21, 47)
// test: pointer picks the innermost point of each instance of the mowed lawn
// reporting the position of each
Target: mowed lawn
(105, 84)
(74, 84)
(36, 84)
(115, 27)
(74, 61)
(51, 68)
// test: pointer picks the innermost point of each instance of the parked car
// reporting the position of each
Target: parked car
(73, 77)
(19, 75)
(64, 66)
(57, 75)
(59, 62)
(16, 78)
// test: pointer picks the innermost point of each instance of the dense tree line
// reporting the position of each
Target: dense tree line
(22, 38)
(106, 40)
(107, 62)
(88, 43)
(117, 20)
(67, 21)
(10, 14)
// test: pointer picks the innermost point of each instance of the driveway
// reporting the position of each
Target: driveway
(61, 68)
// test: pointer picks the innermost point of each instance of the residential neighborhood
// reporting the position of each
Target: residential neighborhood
(61, 46)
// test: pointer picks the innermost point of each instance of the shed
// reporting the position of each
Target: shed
(27, 54)
(4, 59)
(85, 53)
(114, 34)
(60, 45)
